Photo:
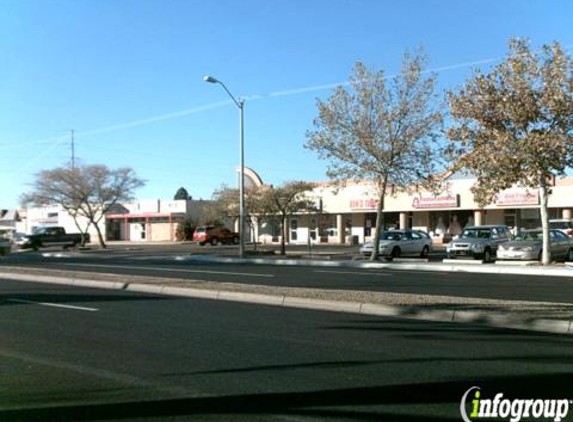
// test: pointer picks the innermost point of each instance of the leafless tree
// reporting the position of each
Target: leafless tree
(88, 191)
(282, 202)
(225, 206)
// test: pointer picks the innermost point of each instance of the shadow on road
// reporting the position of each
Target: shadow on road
(342, 404)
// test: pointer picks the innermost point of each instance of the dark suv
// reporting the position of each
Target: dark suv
(215, 235)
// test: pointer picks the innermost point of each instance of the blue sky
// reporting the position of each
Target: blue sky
(126, 75)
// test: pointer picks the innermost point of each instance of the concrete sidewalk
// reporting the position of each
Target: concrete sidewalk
(524, 315)
(458, 266)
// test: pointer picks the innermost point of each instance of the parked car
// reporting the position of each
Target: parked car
(565, 225)
(527, 246)
(395, 243)
(215, 235)
(5, 246)
(478, 242)
(50, 236)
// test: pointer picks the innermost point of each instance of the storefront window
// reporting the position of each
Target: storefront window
(449, 222)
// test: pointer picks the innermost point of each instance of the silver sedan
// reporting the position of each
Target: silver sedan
(527, 246)
(395, 243)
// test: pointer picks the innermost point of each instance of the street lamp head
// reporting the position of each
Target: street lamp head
(210, 79)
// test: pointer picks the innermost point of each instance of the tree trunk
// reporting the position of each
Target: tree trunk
(543, 193)
(283, 237)
(379, 223)
(83, 233)
(254, 223)
(99, 236)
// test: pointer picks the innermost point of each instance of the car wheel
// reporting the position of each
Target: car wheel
(214, 241)
(487, 255)
(395, 252)
(235, 240)
(201, 243)
(425, 252)
(569, 256)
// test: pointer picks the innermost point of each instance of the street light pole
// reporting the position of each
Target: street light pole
(241, 104)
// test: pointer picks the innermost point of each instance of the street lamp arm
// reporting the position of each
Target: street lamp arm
(213, 80)
(238, 103)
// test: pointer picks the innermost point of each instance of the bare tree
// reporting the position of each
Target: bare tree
(383, 129)
(284, 201)
(60, 186)
(225, 205)
(514, 125)
(84, 191)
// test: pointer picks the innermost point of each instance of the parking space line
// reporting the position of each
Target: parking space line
(53, 305)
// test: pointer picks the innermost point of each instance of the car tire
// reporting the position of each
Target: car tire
(425, 252)
(569, 256)
(236, 240)
(214, 241)
(395, 252)
(487, 255)
(201, 243)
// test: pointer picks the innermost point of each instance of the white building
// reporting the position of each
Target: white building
(150, 220)
(146, 220)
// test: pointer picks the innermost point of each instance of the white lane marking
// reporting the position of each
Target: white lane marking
(54, 305)
(175, 270)
(56, 255)
(353, 273)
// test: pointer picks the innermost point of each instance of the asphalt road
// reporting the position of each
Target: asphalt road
(490, 286)
(96, 355)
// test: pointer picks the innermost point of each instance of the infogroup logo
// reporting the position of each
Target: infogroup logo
(515, 410)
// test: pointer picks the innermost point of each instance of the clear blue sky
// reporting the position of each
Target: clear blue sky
(126, 75)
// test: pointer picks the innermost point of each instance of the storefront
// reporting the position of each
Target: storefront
(350, 211)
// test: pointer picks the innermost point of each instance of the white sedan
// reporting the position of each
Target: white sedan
(395, 243)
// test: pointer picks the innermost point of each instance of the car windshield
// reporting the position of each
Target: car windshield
(525, 236)
(476, 234)
(201, 230)
(561, 224)
(392, 236)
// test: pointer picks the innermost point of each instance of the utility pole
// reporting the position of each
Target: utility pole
(73, 152)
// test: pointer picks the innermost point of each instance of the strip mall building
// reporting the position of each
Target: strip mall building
(349, 212)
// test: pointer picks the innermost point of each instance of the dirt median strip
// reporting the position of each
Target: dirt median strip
(538, 316)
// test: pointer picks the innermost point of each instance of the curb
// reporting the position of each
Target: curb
(496, 320)
(479, 269)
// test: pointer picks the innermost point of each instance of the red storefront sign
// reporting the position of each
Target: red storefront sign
(361, 204)
(438, 201)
